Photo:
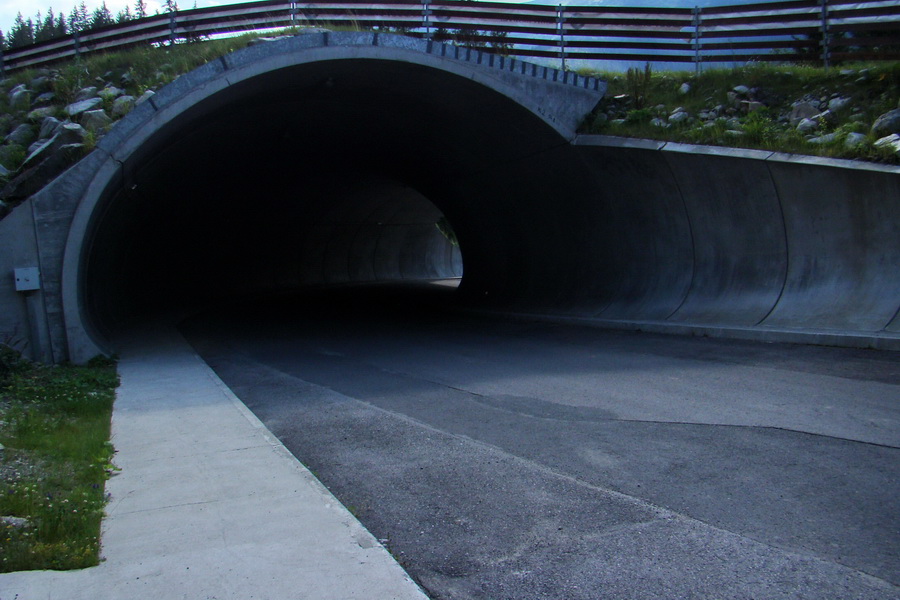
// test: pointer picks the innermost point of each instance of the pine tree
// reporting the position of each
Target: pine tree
(124, 15)
(79, 18)
(171, 6)
(2, 41)
(140, 9)
(22, 32)
(101, 17)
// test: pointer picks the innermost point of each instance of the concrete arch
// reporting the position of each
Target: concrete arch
(542, 108)
(327, 158)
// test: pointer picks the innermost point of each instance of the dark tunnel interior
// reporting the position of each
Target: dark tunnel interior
(321, 174)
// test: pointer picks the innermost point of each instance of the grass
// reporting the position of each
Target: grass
(54, 427)
(873, 89)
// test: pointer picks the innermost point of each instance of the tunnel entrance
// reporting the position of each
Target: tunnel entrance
(319, 173)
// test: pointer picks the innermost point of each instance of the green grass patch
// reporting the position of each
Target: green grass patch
(55, 428)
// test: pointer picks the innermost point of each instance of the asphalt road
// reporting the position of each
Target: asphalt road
(500, 459)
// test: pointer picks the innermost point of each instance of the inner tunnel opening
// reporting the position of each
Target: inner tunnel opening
(322, 174)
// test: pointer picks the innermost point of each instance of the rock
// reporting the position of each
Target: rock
(838, 104)
(823, 139)
(31, 180)
(40, 84)
(126, 79)
(743, 90)
(733, 98)
(39, 114)
(657, 122)
(111, 92)
(66, 134)
(803, 110)
(45, 98)
(734, 132)
(76, 108)
(807, 125)
(752, 106)
(617, 122)
(887, 123)
(146, 96)
(4, 174)
(889, 141)
(49, 127)
(826, 116)
(35, 146)
(95, 120)
(86, 93)
(678, 117)
(685, 88)
(19, 99)
(22, 135)
(125, 104)
(15, 522)
(855, 140)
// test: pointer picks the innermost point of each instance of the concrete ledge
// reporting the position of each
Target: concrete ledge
(845, 339)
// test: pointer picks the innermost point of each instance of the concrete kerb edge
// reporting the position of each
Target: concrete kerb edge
(862, 340)
(282, 451)
(748, 153)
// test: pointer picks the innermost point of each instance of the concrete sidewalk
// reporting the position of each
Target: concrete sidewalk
(210, 505)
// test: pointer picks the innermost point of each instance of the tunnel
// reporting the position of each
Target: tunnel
(348, 170)
(358, 158)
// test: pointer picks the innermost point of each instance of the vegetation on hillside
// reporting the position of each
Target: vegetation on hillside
(756, 106)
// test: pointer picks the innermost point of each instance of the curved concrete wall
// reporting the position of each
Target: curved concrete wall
(769, 246)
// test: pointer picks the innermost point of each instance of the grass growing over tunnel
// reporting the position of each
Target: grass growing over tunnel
(56, 456)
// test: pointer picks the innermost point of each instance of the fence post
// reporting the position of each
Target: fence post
(561, 30)
(826, 41)
(76, 35)
(426, 19)
(698, 43)
(293, 14)
(173, 25)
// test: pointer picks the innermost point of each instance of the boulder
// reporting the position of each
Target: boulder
(31, 180)
(889, 141)
(66, 134)
(807, 125)
(49, 127)
(95, 120)
(678, 117)
(45, 98)
(110, 92)
(39, 114)
(19, 99)
(823, 139)
(887, 123)
(685, 88)
(838, 104)
(76, 108)
(122, 106)
(22, 135)
(803, 110)
(40, 84)
(145, 96)
(86, 93)
(743, 90)
(855, 140)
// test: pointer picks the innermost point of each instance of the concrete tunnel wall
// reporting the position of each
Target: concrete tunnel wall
(324, 160)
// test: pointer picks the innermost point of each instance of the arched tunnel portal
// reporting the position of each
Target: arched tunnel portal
(330, 158)
(336, 168)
